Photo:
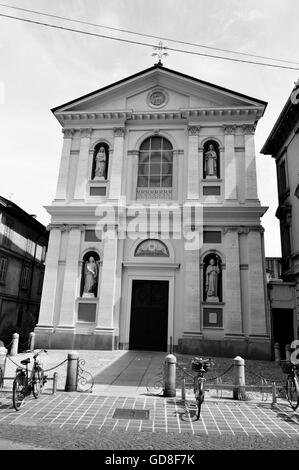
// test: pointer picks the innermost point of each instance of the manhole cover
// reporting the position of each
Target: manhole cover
(125, 413)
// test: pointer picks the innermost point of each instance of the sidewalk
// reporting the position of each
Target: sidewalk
(121, 385)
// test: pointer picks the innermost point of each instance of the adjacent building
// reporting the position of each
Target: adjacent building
(23, 245)
(155, 234)
(283, 145)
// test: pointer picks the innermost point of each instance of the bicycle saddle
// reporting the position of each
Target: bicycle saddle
(25, 361)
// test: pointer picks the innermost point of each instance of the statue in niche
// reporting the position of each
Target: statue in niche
(90, 278)
(212, 273)
(100, 164)
(210, 162)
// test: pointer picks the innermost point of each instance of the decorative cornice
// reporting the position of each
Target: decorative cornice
(244, 267)
(66, 227)
(244, 230)
(119, 131)
(248, 128)
(193, 130)
(229, 129)
(68, 133)
(86, 132)
(239, 149)
(133, 152)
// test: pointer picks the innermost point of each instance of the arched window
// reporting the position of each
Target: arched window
(211, 160)
(100, 161)
(90, 275)
(153, 248)
(212, 278)
(155, 167)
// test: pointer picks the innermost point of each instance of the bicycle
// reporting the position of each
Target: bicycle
(200, 366)
(291, 387)
(27, 381)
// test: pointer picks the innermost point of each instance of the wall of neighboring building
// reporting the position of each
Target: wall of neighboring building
(22, 253)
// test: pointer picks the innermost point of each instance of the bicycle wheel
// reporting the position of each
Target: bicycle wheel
(37, 382)
(292, 391)
(18, 392)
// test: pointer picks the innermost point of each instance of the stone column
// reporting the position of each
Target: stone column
(230, 172)
(132, 172)
(82, 167)
(192, 292)
(250, 163)
(64, 164)
(108, 283)
(232, 288)
(117, 164)
(46, 314)
(193, 163)
(69, 293)
(258, 323)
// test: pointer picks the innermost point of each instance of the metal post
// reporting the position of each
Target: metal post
(183, 389)
(277, 352)
(31, 341)
(274, 394)
(55, 379)
(239, 379)
(288, 352)
(170, 376)
(15, 345)
(3, 352)
(72, 368)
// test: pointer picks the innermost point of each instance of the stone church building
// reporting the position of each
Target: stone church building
(170, 147)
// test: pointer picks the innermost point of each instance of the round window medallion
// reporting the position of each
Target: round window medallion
(157, 98)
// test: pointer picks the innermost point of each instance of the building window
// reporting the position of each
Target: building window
(7, 235)
(211, 236)
(282, 177)
(155, 167)
(91, 236)
(25, 278)
(3, 269)
(153, 248)
(29, 246)
(40, 282)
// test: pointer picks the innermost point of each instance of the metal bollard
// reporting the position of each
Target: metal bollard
(71, 375)
(15, 345)
(277, 354)
(239, 379)
(170, 376)
(31, 341)
(274, 394)
(288, 352)
(183, 390)
(55, 380)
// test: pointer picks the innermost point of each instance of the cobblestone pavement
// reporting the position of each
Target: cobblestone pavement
(86, 421)
(73, 420)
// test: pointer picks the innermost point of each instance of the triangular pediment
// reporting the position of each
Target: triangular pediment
(158, 89)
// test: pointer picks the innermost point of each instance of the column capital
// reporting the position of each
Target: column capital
(248, 128)
(230, 229)
(86, 132)
(119, 131)
(69, 227)
(68, 133)
(229, 129)
(193, 130)
(54, 226)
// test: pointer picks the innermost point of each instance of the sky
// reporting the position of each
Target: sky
(41, 68)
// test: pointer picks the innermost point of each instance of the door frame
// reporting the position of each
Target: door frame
(125, 333)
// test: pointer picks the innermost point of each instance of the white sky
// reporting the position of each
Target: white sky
(41, 68)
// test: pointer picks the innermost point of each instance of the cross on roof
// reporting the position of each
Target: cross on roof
(160, 52)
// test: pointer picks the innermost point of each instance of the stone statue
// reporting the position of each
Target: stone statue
(101, 162)
(210, 161)
(90, 278)
(212, 273)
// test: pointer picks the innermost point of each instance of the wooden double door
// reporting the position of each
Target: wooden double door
(149, 315)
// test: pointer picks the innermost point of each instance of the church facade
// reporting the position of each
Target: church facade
(155, 234)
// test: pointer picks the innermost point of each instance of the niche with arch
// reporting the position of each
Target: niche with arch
(211, 160)
(100, 163)
(212, 278)
(90, 275)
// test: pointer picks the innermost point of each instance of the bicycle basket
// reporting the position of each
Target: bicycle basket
(196, 366)
(286, 366)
